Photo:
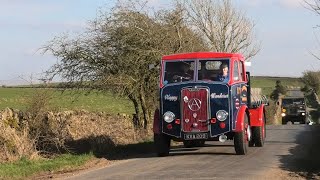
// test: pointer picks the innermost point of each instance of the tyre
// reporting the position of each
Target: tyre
(162, 144)
(258, 135)
(241, 140)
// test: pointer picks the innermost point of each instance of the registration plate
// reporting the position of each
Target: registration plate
(196, 136)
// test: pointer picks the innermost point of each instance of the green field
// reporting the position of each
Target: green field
(18, 98)
(268, 83)
(107, 102)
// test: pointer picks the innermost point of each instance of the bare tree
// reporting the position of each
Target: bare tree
(224, 28)
(115, 53)
(313, 5)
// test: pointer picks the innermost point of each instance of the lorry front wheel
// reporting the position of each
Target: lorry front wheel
(162, 144)
(241, 139)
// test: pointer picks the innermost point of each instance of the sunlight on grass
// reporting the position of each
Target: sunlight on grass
(24, 168)
(68, 100)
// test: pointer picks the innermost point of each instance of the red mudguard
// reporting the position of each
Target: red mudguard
(240, 119)
(156, 123)
(256, 116)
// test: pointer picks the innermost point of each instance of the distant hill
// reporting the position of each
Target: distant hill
(267, 83)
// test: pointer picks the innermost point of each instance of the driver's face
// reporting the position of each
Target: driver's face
(225, 71)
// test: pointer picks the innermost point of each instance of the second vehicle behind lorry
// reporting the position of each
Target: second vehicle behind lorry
(293, 108)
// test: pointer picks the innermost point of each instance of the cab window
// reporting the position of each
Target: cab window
(236, 71)
(179, 71)
(213, 70)
(242, 74)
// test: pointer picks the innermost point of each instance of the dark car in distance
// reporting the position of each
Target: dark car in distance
(293, 109)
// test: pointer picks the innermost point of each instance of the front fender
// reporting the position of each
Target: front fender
(256, 116)
(240, 119)
(156, 122)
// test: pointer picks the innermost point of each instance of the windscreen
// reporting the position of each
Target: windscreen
(207, 70)
(179, 71)
(213, 70)
(293, 101)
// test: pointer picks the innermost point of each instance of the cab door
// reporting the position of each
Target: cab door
(239, 93)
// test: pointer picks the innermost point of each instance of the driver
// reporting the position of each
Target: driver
(184, 74)
(224, 75)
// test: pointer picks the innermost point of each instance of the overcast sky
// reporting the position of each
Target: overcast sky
(285, 28)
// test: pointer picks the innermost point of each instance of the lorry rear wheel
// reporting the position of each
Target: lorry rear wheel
(241, 139)
(162, 144)
(257, 133)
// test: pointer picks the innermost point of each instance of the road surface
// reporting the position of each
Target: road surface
(291, 152)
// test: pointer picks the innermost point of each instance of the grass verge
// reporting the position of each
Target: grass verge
(26, 168)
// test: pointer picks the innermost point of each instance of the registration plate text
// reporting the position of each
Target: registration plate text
(196, 136)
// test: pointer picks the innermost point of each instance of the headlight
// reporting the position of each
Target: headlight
(303, 114)
(168, 117)
(222, 115)
(283, 114)
(284, 110)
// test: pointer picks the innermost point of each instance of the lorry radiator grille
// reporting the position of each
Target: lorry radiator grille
(195, 109)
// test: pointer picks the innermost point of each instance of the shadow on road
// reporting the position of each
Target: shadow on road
(181, 150)
(304, 158)
(182, 153)
(104, 147)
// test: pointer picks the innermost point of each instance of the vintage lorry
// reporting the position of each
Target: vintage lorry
(205, 96)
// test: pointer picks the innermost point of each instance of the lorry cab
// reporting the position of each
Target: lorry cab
(204, 97)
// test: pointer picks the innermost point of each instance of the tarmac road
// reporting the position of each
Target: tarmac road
(290, 152)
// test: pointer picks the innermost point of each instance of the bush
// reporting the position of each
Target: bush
(14, 139)
(271, 113)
